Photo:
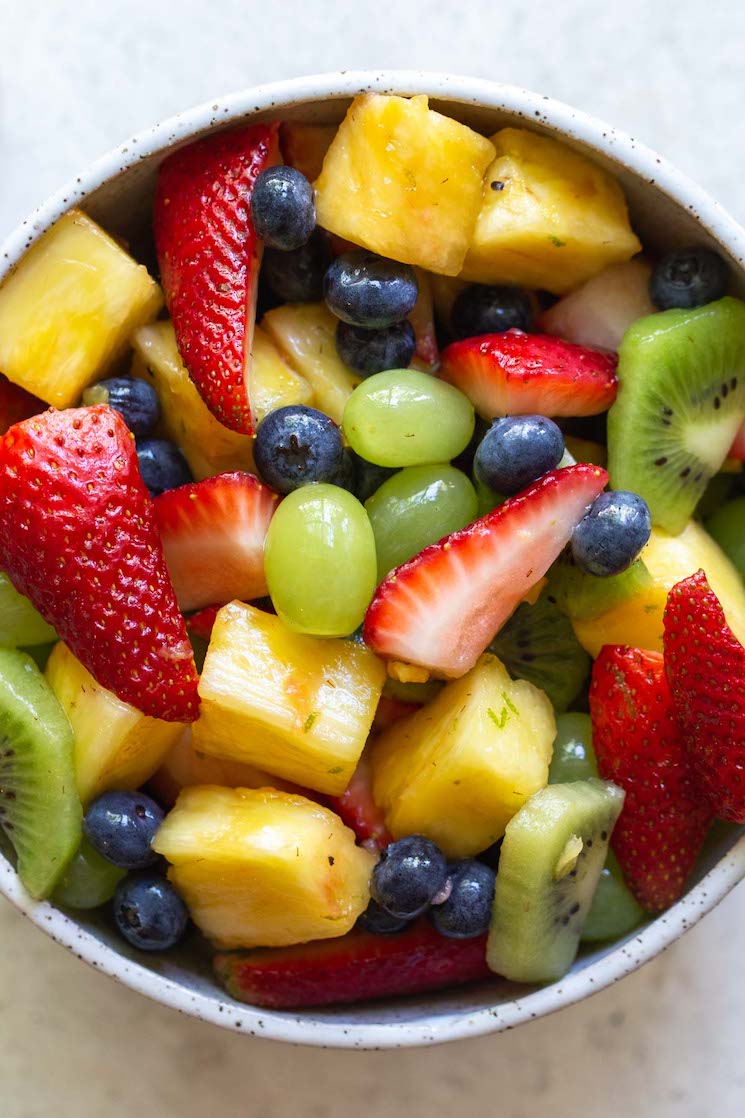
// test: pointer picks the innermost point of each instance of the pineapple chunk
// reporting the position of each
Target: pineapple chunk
(184, 767)
(262, 868)
(300, 707)
(458, 769)
(304, 146)
(445, 290)
(404, 181)
(305, 334)
(273, 384)
(69, 309)
(208, 447)
(557, 219)
(116, 746)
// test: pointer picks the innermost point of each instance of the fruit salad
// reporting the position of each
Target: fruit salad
(371, 577)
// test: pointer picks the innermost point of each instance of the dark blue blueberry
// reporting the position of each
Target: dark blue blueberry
(374, 351)
(149, 913)
(376, 920)
(297, 445)
(369, 477)
(688, 277)
(347, 475)
(467, 911)
(135, 400)
(297, 277)
(367, 290)
(611, 536)
(517, 450)
(121, 827)
(162, 466)
(490, 310)
(410, 873)
(490, 856)
(282, 208)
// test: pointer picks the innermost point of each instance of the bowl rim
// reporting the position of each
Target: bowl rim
(430, 1028)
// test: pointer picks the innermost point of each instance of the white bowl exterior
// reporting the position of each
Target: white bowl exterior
(674, 209)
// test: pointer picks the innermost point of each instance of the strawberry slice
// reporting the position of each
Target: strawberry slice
(352, 968)
(78, 537)
(358, 810)
(600, 312)
(209, 256)
(737, 450)
(638, 746)
(213, 534)
(530, 374)
(706, 669)
(201, 623)
(390, 711)
(16, 404)
(442, 608)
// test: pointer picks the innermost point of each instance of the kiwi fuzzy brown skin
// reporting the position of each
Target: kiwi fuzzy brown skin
(40, 811)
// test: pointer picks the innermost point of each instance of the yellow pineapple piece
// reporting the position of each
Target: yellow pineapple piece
(557, 219)
(638, 621)
(305, 335)
(273, 384)
(445, 290)
(300, 707)
(304, 146)
(69, 309)
(262, 868)
(404, 181)
(458, 769)
(208, 447)
(116, 746)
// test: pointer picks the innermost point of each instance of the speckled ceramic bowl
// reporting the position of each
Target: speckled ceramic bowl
(667, 209)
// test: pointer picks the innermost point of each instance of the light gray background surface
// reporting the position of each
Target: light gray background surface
(77, 78)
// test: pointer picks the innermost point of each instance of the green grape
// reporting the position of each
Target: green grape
(19, 621)
(727, 526)
(407, 418)
(573, 758)
(89, 880)
(39, 653)
(614, 912)
(320, 561)
(487, 500)
(417, 507)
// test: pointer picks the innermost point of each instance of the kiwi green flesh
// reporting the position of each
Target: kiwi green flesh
(538, 644)
(19, 621)
(39, 806)
(681, 400)
(584, 597)
(537, 919)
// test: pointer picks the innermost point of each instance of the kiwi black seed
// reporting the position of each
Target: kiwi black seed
(681, 400)
(552, 856)
(40, 810)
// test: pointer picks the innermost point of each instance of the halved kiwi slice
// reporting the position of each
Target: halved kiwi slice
(552, 856)
(584, 597)
(681, 399)
(39, 806)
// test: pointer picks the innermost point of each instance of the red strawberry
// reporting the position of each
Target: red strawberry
(390, 711)
(213, 534)
(443, 607)
(78, 537)
(209, 258)
(359, 811)
(737, 450)
(639, 747)
(352, 968)
(202, 622)
(16, 404)
(705, 666)
(525, 374)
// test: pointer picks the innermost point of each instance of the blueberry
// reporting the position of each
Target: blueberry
(346, 478)
(611, 536)
(369, 477)
(135, 400)
(367, 290)
(297, 445)
(376, 920)
(688, 277)
(149, 913)
(297, 277)
(517, 450)
(162, 466)
(282, 208)
(409, 874)
(374, 351)
(467, 911)
(120, 826)
(490, 310)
